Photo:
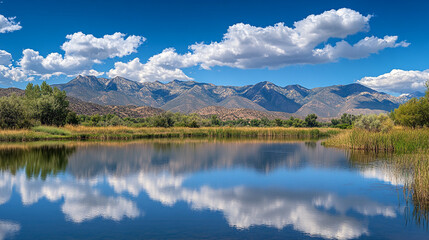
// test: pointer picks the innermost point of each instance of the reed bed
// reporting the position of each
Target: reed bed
(409, 170)
(25, 136)
(399, 140)
(129, 133)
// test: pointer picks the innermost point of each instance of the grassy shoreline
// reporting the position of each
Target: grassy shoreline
(44, 133)
(399, 140)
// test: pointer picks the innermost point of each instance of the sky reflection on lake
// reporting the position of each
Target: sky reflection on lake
(198, 189)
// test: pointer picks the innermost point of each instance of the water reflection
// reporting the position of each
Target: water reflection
(97, 180)
(315, 213)
(8, 229)
(81, 201)
(410, 171)
(179, 158)
(39, 161)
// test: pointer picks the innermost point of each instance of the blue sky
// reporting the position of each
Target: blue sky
(158, 25)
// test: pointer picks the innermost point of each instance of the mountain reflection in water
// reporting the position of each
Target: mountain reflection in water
(279, 185)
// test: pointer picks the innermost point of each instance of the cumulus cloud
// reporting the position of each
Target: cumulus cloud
(361, 49)
(53, 64)
(136, 70)
(109, 46)
(5, 58)
(9, 74)
(8, 24)
(245, 46)
(82, 51)
(398, 81)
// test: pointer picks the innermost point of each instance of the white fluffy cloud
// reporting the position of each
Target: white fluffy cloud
(136, 70)
(110, 46)
(5, 57)
(361, 49)
(10, 74)
(8, 24)
(398, 81)
(245, 46)
(82, 51)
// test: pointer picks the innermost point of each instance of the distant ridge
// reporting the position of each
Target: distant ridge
(191, 96)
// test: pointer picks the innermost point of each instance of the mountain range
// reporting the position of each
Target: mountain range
(263, 97)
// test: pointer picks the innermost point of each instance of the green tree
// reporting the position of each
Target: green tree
(311, 120)
(72, 118)
(46, 104)
(414, 113)
(348, 119)
(115, 121)
(255, 122)
(335, 122)
(13, 112)
(214, 120)
(265, 122)
(94, 120)
(278, 122)
(32, 92)
(53, 106)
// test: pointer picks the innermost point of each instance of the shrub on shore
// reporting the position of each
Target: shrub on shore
(374, 123)
(40, 105)
(13, 112)
(414, 113)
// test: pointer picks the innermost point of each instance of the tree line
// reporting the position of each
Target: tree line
(193, 120)
(44, 105)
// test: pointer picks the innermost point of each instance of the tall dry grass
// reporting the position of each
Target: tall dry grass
(128, 133)
(399, 140)
(411, 170)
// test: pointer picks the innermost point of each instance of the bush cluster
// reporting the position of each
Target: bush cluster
(414, 113)
(374, 123)
(169, 119)
(39, 105)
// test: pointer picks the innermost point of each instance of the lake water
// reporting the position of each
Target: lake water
(200, 189)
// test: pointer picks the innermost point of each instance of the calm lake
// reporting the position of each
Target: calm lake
(201, 189)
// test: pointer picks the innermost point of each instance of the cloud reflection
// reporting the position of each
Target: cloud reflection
(6, 183)
(387, 174)
(8, 229)
(243, 207)
(160, 171)
(81, 200)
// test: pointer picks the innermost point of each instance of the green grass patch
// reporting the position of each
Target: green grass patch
(52, 130)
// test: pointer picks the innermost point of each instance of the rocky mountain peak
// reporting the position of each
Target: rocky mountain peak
(189, 96)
